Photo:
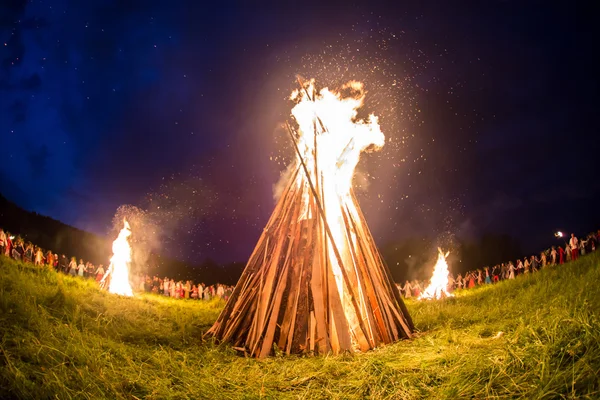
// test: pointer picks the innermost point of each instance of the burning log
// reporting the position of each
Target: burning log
(316, 282)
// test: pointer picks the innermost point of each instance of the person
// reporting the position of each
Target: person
(574, 244)
(416, 288)
(543, 258)
(553, 254)
(471, 280)
(535, 264)
(64, 264)
(166, 287)
(18, 250)
(100, 273)
(519, 269)
(8, 245)
(561, 255)
(582, 244)
(407, 289)
(73, 266)
(2, 240)
(195, 292)
(50, 259)
(39, 257)
(495, 273)
(80, 268)
(28, 255)
(459, 281)
(488, 279)
(186, 289)
(511, 270)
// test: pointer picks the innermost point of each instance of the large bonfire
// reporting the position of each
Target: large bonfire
(438, 285)
(117, 274)
(316, 282)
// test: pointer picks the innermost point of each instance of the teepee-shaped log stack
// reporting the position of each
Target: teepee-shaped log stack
(316, 282)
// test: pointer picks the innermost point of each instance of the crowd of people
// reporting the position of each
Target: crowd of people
(180, 289)
(555, 255)
(17, 249)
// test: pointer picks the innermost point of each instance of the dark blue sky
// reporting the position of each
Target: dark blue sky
(174, 107)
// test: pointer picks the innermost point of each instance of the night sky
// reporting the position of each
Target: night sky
(489, 110)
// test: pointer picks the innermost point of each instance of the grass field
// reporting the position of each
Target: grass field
(63, 338)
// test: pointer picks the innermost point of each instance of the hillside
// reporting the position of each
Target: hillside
(62, 338)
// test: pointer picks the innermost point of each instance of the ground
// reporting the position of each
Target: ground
(534, 337)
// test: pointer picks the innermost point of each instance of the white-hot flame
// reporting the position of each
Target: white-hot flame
(338, 148)
(330, 139)
(438, 286)
(119, 263)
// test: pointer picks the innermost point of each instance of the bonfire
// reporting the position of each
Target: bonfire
(116, 278)
(438, 285)
(316, 282)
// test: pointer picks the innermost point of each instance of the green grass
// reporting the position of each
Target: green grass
(63, 338)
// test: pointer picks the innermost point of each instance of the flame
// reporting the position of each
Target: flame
(119, 263)
(328, 123)
(439, 280)
(346, 137)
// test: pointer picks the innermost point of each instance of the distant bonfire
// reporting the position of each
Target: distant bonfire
(438, 285)
(116, 278)
(316, 282)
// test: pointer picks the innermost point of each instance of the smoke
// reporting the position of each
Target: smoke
(144, 238)
(285, 177)
(165, 218)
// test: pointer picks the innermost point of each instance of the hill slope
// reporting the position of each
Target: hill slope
(62, 338)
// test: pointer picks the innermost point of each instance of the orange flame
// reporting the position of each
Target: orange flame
(119, 263)
(438, 285)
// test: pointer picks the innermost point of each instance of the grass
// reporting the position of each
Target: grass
(63, 338)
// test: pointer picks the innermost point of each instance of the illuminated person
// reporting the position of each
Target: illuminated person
(80, 268)
(2, 240)
(7, 245)
(459, 281)
(99, 273)
(543, 258)
(582, 244)
(39, 256)
(471, 280)
(407, 289)
(561, 255)
(166, 286)
(519, 268)
(186, 289)
(488, 279)
(511, 270)
(73, 266)
(574, 244)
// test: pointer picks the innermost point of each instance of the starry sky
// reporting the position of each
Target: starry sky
(175, 108)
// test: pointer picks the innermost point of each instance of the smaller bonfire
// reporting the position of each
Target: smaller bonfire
(438, 285)
(116, 278)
